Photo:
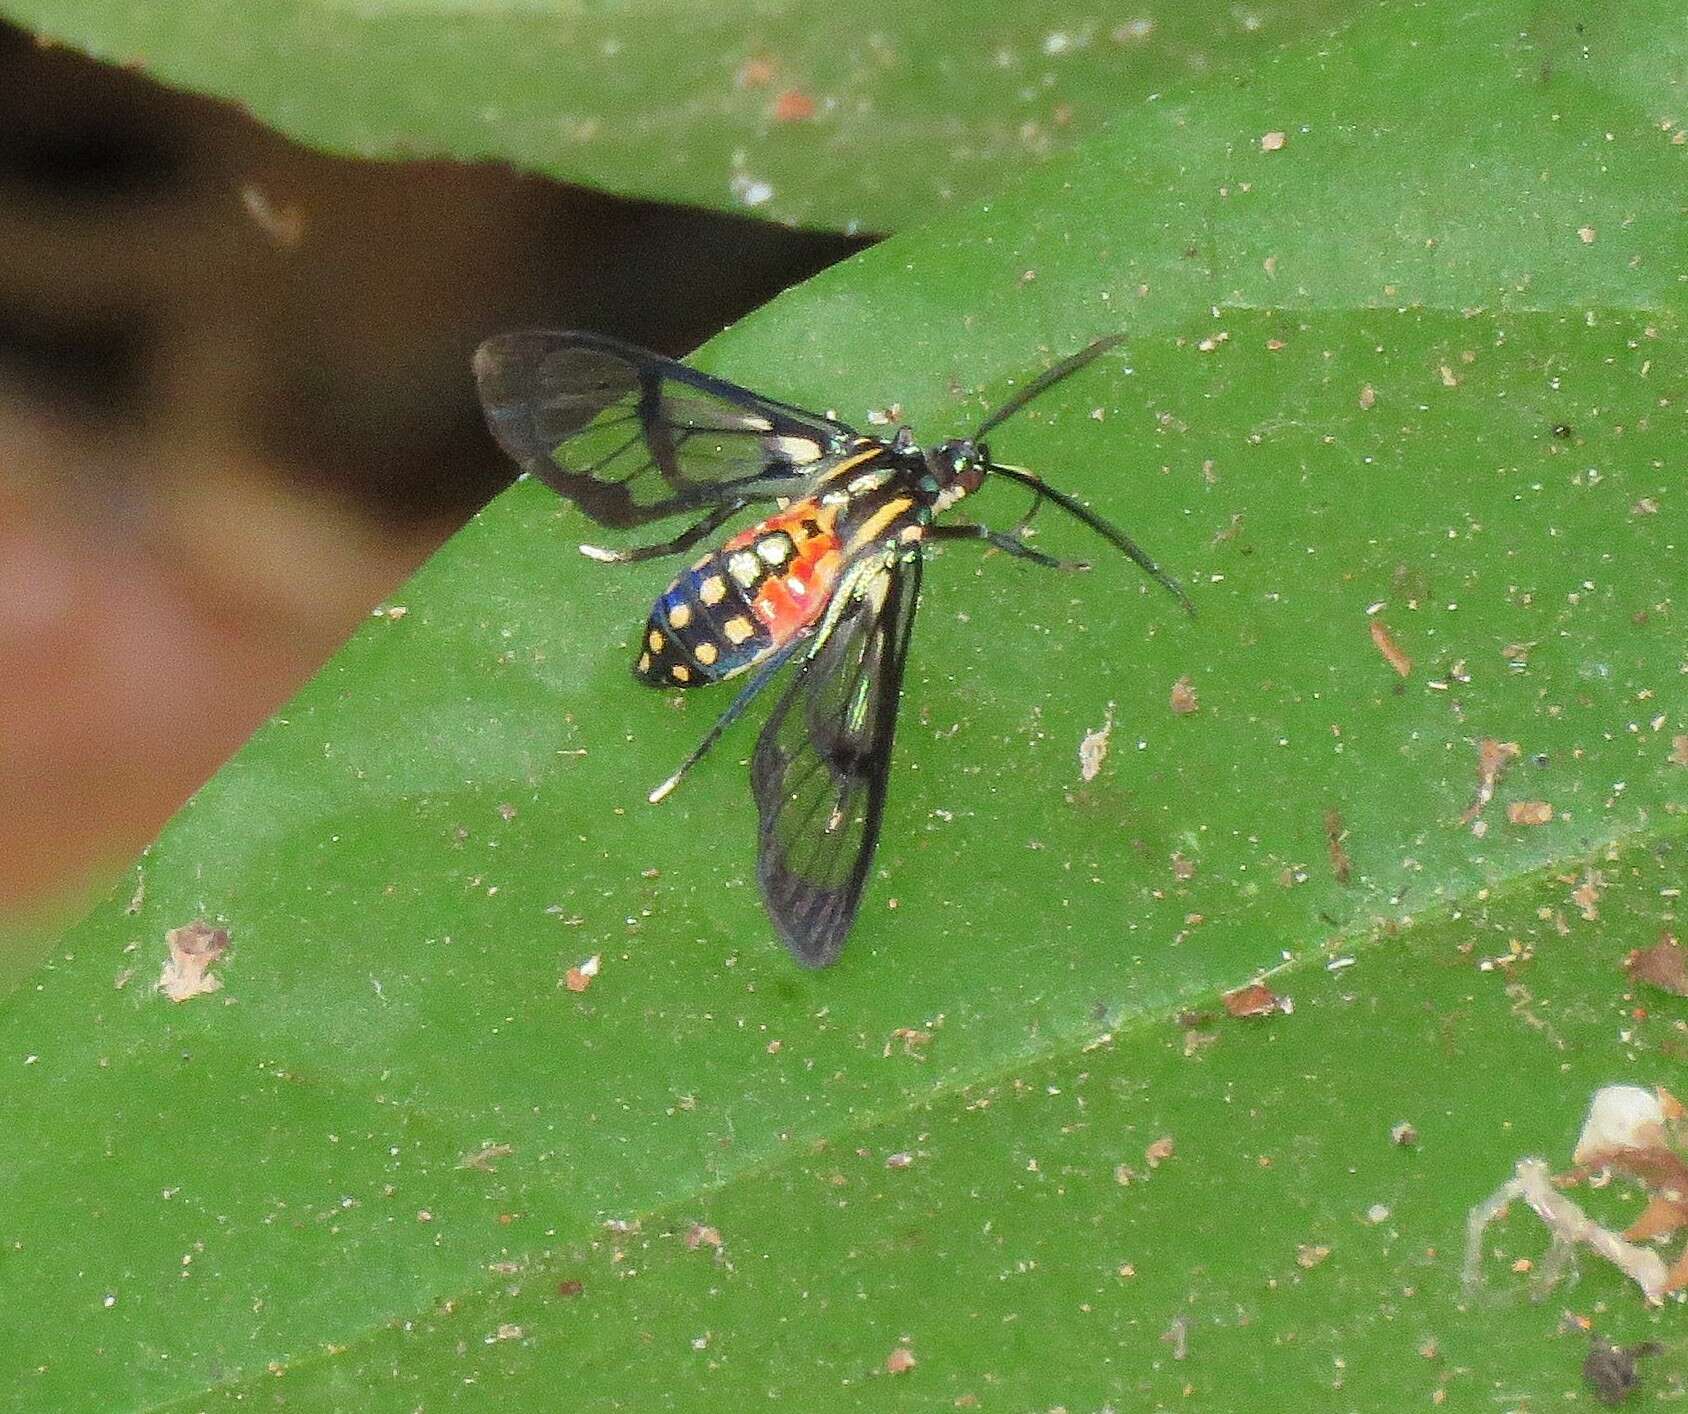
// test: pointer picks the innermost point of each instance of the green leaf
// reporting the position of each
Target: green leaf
(915, 107)
(395, 1159)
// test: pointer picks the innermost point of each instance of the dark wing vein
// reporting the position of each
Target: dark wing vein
(631, 437)
(821, 763)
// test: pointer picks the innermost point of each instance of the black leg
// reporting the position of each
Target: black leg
(683, 541)
(1008, 544)
(747, 695)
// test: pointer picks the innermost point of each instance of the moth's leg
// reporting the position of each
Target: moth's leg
(747, 694)
(683, 541)
(1008, 544)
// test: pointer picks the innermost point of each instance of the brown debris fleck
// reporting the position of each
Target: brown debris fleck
(900, 1361)
(1183, 700)
(698, 1235)
(1256, 999)
(1273, 142)
(1308, 1255)
(1679, 749)
(1158, 1152)
(1529, 812)
(913, 1040)
(1587, 894)
(1390, 649)
(1196, 1041)
(1664, 965)
(194, 949)
(793, 106)
(1493, 757)
(578, 979)
(1335, 834)
(755, 72)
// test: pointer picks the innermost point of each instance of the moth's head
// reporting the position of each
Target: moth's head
(959, 464)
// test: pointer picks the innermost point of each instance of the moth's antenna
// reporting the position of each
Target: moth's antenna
(1046, 380)
(1105, 528)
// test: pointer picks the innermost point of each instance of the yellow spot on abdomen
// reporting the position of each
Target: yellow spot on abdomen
(744, 568)
(644, 662)
(655, 640)
(679, 616)
(681, 673)
(705, 653)
(713, 590)
(737, 629)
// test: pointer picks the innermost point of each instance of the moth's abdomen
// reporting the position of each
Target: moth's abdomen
(702, 630)
(742, 602)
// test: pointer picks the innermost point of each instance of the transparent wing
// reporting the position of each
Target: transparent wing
(821, 762)
(631, 437)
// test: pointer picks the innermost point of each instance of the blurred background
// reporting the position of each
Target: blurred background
(236, 412)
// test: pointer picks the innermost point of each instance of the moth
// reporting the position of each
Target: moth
(826, 583)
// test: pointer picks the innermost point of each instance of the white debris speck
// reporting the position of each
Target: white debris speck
(1093, 750)
(750, 191)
